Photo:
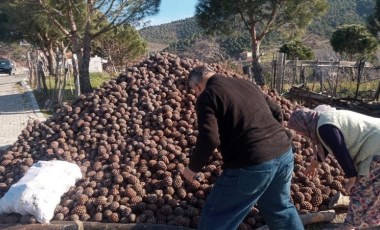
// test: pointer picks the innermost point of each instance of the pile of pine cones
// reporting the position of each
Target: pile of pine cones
(130, 138)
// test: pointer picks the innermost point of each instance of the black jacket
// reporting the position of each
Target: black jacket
(236, 116)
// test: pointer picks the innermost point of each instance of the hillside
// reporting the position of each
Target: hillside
(184, 36)
(342, 12)
(170, 32)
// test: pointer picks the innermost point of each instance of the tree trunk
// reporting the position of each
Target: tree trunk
(34, 58)
(76, 74)
(82, 65)
(84, 74)
(50, 59)
(30, 67)
(61, 76)
(41, 75)
(54, 95)
(77, 66)
(256, 65)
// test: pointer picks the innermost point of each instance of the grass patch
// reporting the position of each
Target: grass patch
(346, 89)
(343, 89)
(96, 79)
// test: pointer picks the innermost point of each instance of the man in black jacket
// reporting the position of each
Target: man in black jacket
(234, 115)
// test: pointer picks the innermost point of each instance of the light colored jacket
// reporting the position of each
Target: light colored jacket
(361, 134)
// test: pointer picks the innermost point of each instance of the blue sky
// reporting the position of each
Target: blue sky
(172, 10)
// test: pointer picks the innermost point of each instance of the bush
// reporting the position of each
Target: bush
(297, 49)
(355, 41)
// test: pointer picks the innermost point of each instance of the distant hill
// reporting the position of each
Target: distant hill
(170, 32)
(183, 36)
(342, 12)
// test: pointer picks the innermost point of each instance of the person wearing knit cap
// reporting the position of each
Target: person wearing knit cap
(353, 139)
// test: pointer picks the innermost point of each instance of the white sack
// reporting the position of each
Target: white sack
(39, 191)
(324, 108)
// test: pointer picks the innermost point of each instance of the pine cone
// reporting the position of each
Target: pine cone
(316, 200)
(79, 210)
(306, 205)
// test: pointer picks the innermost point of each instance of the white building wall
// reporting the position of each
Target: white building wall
(96, 65)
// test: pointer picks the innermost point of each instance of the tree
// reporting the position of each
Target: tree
(297, 49)
(354, 40)
(207, 50)
(34, 28)
(83, 21)
(373, 25)
(3, 25)
(120, 45)
(373, 21)
(258, 17)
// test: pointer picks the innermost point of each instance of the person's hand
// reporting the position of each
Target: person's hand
(350, 183)
(188, 174)
(311, 170)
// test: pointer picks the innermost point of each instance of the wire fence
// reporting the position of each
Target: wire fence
(339, 79)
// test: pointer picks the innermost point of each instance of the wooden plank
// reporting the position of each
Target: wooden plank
(314, 63)
(306, 94)
(312, 218)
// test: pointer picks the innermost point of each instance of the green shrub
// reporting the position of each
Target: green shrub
(97, 79)
(297, 49)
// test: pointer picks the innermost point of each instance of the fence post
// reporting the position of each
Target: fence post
(320, 75)
(360, 70)
(279, 76)
(274, 66)
(377, 94)
(315, 73)
(283, 72)
(295, 72)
